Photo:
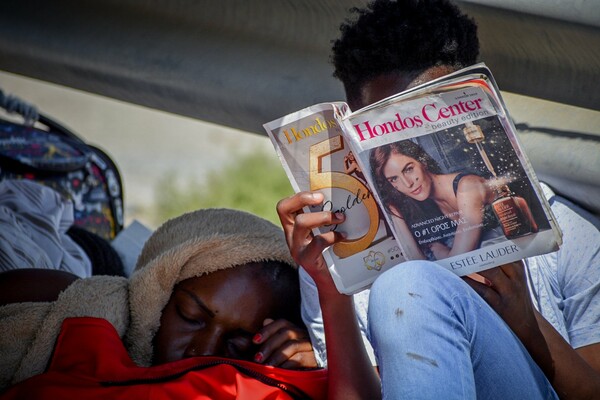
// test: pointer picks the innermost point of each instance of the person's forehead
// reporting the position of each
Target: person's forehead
(236, 305)
(385, 85)
(231, 293)
(224, 280)
(239, 285)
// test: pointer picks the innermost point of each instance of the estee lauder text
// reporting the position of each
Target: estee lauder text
(483, 257)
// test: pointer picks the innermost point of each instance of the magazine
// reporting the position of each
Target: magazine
(435, 172)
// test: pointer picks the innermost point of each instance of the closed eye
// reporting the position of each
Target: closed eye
(189, 318)
(192, 310)
(240, 345)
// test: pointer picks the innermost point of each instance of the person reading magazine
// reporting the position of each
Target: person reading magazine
(434, 334)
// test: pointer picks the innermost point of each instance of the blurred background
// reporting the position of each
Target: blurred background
(169, 164)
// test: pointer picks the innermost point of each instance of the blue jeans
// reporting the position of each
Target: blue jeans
(435, 338)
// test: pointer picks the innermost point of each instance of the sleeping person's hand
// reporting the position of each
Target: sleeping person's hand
(285, 345)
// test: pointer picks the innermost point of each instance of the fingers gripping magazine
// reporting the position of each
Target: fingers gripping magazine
(447, 173)
(316, 157)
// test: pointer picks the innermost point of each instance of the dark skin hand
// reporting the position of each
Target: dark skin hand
(506, 292)
(282, 344)
(350, 373)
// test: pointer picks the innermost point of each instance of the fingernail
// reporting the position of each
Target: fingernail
(340, 215)
(257, 338)
(487, 282)
(258, 357)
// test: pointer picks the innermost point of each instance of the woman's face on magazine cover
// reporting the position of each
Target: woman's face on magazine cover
(408, 176)
(215, 314)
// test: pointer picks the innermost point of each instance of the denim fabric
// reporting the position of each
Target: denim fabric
(435, 338)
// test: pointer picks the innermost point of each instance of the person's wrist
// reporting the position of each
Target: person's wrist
(532, 335)
(325, 284)
(332, 299)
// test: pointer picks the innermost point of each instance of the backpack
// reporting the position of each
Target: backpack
(45, 151)
(90, 362)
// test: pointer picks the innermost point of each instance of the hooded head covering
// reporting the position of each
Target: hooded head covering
(188, 246)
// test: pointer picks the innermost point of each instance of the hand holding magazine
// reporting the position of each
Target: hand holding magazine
(435, 172)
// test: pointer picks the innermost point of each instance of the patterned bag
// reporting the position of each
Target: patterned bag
(43, 150)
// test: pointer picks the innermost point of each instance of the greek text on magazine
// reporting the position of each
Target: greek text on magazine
(442, 162)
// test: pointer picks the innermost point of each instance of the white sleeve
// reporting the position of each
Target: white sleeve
(565, 285)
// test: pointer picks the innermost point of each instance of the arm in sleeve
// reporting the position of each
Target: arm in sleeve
(311, 315)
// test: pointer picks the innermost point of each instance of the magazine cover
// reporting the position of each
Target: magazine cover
(445, 164)
(316, 157)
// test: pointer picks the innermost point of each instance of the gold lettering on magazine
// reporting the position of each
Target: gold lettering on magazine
(322, 180)
(293, 135)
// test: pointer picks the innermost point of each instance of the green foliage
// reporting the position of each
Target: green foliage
(254, 183)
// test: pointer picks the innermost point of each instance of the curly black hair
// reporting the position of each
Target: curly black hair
(402, 36)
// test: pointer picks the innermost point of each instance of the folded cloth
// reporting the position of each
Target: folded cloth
(34, 220)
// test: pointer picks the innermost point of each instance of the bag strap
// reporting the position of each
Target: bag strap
(55, 127)
(14, 105)
(31, 115)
